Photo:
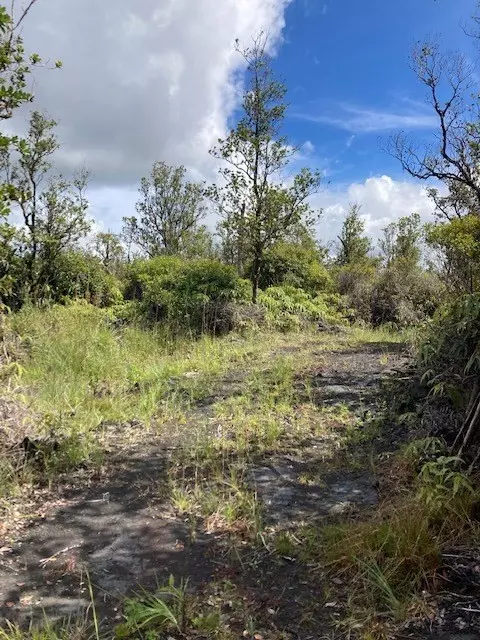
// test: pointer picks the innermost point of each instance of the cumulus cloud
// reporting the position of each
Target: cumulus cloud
(383, 200)
(144, 80)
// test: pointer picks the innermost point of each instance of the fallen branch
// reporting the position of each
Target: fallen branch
(45, 561)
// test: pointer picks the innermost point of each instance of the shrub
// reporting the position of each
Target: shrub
(188, 295)
(404, 296)
(400, 295)
(295, 265)
(355, 282)
(449, 362)
(80, 275)
(450, 349)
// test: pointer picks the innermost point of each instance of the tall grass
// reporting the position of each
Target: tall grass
(81, 367)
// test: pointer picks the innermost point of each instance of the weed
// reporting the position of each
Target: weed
(442, 486)
(419, 451)
(165, 609)
(284, 544)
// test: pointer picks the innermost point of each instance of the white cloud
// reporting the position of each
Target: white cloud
(307, 148)
(143, 81)
(383, 200)
(369, 120)
(350, 140)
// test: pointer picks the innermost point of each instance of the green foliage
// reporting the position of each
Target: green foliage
(256, 206)
(355, 282)
(108, 248)
(441, 484)
(420, 451)
(451, 346)
(458, 242)
(15, 68)
(169, 210)
(289, 308)
(81, 275)
(164, 609)
(296, 265)
(401, 241)
(354, 246)
(198, 243)
(54, 217)
(188, 295)
(404, 296)
(393, 555)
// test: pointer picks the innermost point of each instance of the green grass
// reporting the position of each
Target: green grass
(83, 377)
(82, 373)
(80, 363)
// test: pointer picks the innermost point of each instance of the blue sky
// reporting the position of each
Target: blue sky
(147, 80)
(345, 63)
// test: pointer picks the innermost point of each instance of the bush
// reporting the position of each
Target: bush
(404, 296)
(400, 295)
(355, 282)
(296, 265)
(188, 295)
(450, 349)
(289, 308)
(80, 275)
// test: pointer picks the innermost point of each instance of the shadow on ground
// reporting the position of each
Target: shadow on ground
(118, 529)
(122, 531)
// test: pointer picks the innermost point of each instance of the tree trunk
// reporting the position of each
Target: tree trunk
(255, 279)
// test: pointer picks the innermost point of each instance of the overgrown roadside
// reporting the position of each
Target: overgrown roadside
(261, 451)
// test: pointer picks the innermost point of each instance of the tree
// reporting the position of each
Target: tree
(354, 247)
(108, 247)
(294, 263)
(454, 156)
(15, 67)
(169, 210)
(256, 205)
(401, 241)
(199, 243)
(458, 242)
(53, 210)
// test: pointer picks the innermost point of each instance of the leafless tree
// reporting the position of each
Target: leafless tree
(454, 156)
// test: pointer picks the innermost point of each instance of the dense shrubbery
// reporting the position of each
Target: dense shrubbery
(77, 275)
(404, 297)
(400, 295)
(80, 275)
(296, 265)
(187, 295)
(355, 282)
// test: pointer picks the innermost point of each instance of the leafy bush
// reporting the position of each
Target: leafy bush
(355, 282)
(400, 294)
(77, 275)
(449, 356)
(80, 275)
(440, 483)
(188, 295)
(458, 242)
(289, 308)
(296, 265)
(404, 296)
